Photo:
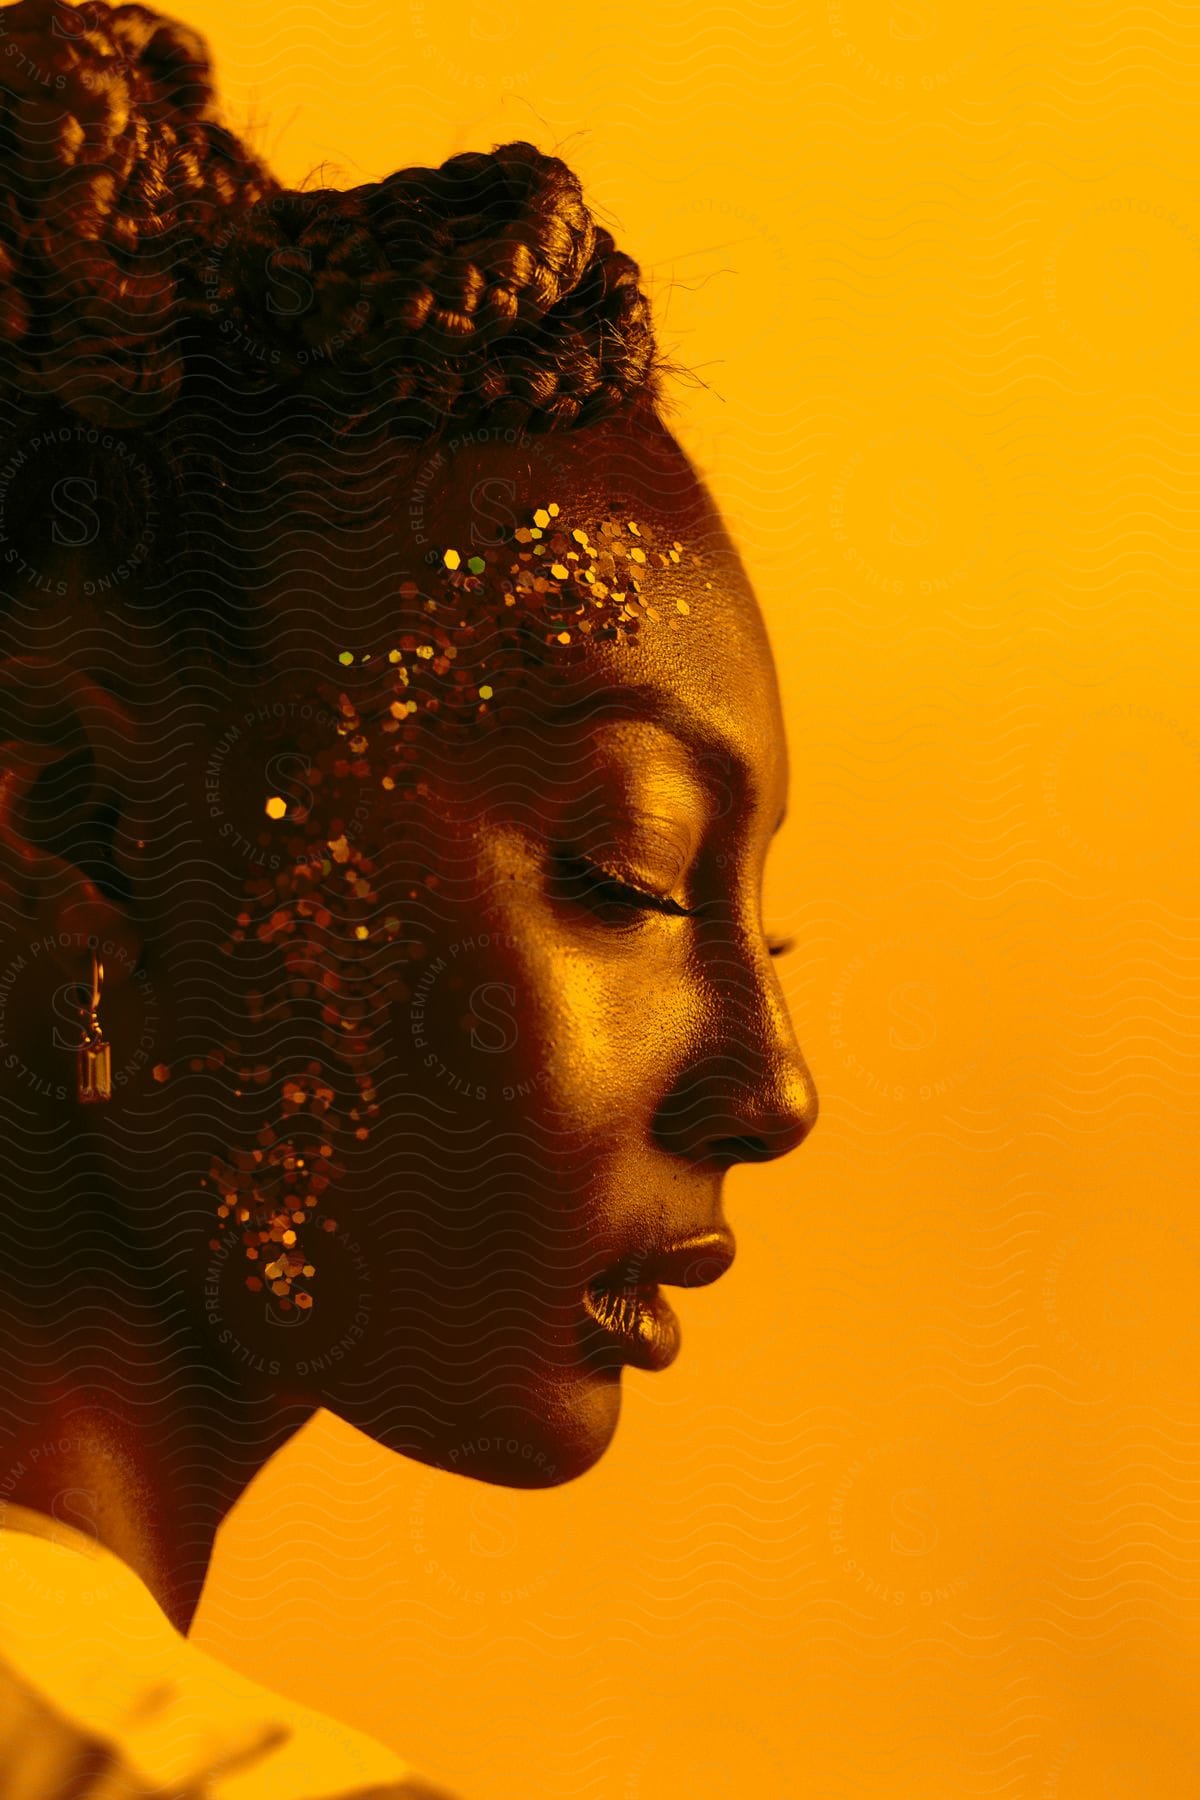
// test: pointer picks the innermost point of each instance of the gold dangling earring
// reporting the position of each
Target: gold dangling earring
(94, 1057)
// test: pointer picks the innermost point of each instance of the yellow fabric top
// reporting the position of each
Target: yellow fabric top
(92, 1671)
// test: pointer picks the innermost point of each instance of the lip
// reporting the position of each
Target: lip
(630, 1320)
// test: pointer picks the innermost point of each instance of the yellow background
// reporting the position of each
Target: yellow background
(918, 1511)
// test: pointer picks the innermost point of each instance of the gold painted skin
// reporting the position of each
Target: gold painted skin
(563, 1095)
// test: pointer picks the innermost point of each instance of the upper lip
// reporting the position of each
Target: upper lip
(691, 1261)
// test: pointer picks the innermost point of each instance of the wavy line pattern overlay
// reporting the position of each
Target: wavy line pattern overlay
(917, 1514)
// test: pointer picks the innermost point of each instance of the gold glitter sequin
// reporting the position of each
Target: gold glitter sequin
(473, 632)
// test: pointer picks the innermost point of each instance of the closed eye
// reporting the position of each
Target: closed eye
(581, 879)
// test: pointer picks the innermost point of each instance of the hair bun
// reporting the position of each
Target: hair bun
(174, 57)
(114, 170)
(480, 288)
(138, 239)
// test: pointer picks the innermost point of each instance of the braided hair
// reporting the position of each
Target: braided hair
(133, 220)
(115, 173)
(156, 281)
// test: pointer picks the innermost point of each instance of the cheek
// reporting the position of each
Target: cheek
(517, 1024)
(608, 1064)
(596, 1028)
(463, 1027)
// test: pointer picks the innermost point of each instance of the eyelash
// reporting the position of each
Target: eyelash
(601, 884)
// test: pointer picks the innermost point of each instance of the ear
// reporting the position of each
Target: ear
(67, 753)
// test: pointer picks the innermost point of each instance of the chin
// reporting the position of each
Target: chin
(558, 1434)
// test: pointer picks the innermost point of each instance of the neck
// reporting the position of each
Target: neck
(98, 1437)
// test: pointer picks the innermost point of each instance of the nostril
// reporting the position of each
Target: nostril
(778, 1133)
(743, 1115)
(744, 1149)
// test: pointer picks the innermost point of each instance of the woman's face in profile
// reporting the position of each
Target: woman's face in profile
(528, 1000)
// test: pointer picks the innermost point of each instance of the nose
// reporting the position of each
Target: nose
(746, 1093)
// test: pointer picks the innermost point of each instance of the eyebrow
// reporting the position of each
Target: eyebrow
(655, 706)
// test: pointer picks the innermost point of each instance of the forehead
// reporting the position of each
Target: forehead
(695, 650)
(701, 656)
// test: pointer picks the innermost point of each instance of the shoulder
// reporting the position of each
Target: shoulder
(44, 1752)
(96, 1683)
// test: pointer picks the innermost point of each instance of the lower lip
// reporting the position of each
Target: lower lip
(631, 1325)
